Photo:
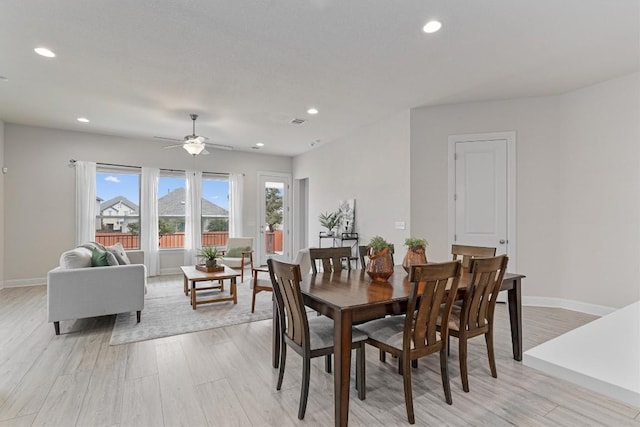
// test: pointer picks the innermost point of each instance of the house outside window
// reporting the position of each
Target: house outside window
(118, 206)
(215, 209)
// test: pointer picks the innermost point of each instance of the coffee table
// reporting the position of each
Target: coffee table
(192, 276)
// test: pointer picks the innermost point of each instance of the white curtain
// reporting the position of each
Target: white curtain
(236, 186)
(85, 202)
(149, 240)
(192, 223)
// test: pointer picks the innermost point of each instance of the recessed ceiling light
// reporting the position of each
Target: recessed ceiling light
(432, 27)
(43, 51)
(83, 120)
(4, 79)
(259, 144)
(312, 111)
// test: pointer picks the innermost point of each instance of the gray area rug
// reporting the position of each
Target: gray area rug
(167, 311)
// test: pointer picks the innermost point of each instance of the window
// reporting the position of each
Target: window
(215, 209)
(171, 209)
(118, 206)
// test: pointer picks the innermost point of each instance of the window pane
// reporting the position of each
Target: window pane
(215, 210)
(118, 208)
(171, 211)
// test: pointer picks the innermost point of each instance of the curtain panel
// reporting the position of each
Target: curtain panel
(236, 186)
(192, 222)
(149, 240)
(85, 202)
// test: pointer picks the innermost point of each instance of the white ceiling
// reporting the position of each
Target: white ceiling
(248, 67)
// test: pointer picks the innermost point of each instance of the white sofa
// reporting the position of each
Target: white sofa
(76, 293)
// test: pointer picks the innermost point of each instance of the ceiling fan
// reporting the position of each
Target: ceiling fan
(195, 144)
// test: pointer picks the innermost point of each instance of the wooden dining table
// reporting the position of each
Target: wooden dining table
(350, 297)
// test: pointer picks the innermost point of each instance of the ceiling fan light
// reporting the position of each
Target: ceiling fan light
(193, 148)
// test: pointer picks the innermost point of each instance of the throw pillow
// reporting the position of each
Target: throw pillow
(76, 258)
(99, 258)
(237, 252)
(119, 253)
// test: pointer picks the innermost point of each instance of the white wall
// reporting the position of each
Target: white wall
(578, 186)
(2, 206)
(370, 165)
(39, 188)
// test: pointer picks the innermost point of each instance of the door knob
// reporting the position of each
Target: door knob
(502, 241)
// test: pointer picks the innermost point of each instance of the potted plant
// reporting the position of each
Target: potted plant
(330, 220)
(415, 252)
(380, 264)
(210, 255)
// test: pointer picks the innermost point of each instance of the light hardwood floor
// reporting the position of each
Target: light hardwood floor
(223, 377)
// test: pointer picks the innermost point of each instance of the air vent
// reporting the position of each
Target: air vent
(297, 121)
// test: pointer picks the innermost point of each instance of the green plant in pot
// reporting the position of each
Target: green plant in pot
(380, 264)
(330, 220)
(416, 252)
(210, 255)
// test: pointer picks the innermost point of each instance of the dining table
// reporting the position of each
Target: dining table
(350, 297)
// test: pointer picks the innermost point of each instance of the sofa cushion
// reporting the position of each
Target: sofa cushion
(100, 258)
(119, 253)
(76, 258)
(237, 252)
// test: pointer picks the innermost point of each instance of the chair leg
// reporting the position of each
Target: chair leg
(383, 356)
(463, 362)
(253, 299)
(414, 363)
(488, 337)
(408, 395)
(360, 372)
(304, 392)
(56, 326)
(444, 373)
(283, 358)
(138, 314)
(327, 363)
(400, 367)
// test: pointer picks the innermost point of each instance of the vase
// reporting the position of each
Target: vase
(211, 262)
(414, 256)
(380, 265)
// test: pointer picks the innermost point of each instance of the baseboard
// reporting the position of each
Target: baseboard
(17, 283)
(583, 307)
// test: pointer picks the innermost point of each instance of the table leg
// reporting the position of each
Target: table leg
(342, 323)
(186, 285)
(275, 339)
(233, 290)
(193, 294)
(514, 298)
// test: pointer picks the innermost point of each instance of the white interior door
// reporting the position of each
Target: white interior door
(274, 217)
(482, 191)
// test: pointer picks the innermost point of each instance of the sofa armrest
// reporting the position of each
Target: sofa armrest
(136, 257)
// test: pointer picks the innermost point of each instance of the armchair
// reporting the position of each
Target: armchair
(238, 254)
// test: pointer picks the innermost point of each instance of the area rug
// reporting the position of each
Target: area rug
(167, 311)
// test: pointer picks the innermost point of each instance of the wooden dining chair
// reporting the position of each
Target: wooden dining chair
(475, 316)
(330, 258)
(363, 252)
(414, 335)
(308, 337)
(470, 252)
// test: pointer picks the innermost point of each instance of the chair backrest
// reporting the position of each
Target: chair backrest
(330, 258)
(429, 290)
(303, 259)
(363, 251)
(482, 291)
(240, 242)
(470, 252)
(285, 279)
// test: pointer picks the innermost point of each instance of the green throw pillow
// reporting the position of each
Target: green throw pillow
(99, 258)
(237, 252)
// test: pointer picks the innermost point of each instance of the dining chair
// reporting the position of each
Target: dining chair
(470, 252)
(363, 251)
(308, 337)
(414, 335)
(330, 258)
(475, 316)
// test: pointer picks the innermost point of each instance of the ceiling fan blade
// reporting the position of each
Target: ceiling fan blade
(200, 139)
(168, 139)
(204, 151)
(219, 146)
(173, 146)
